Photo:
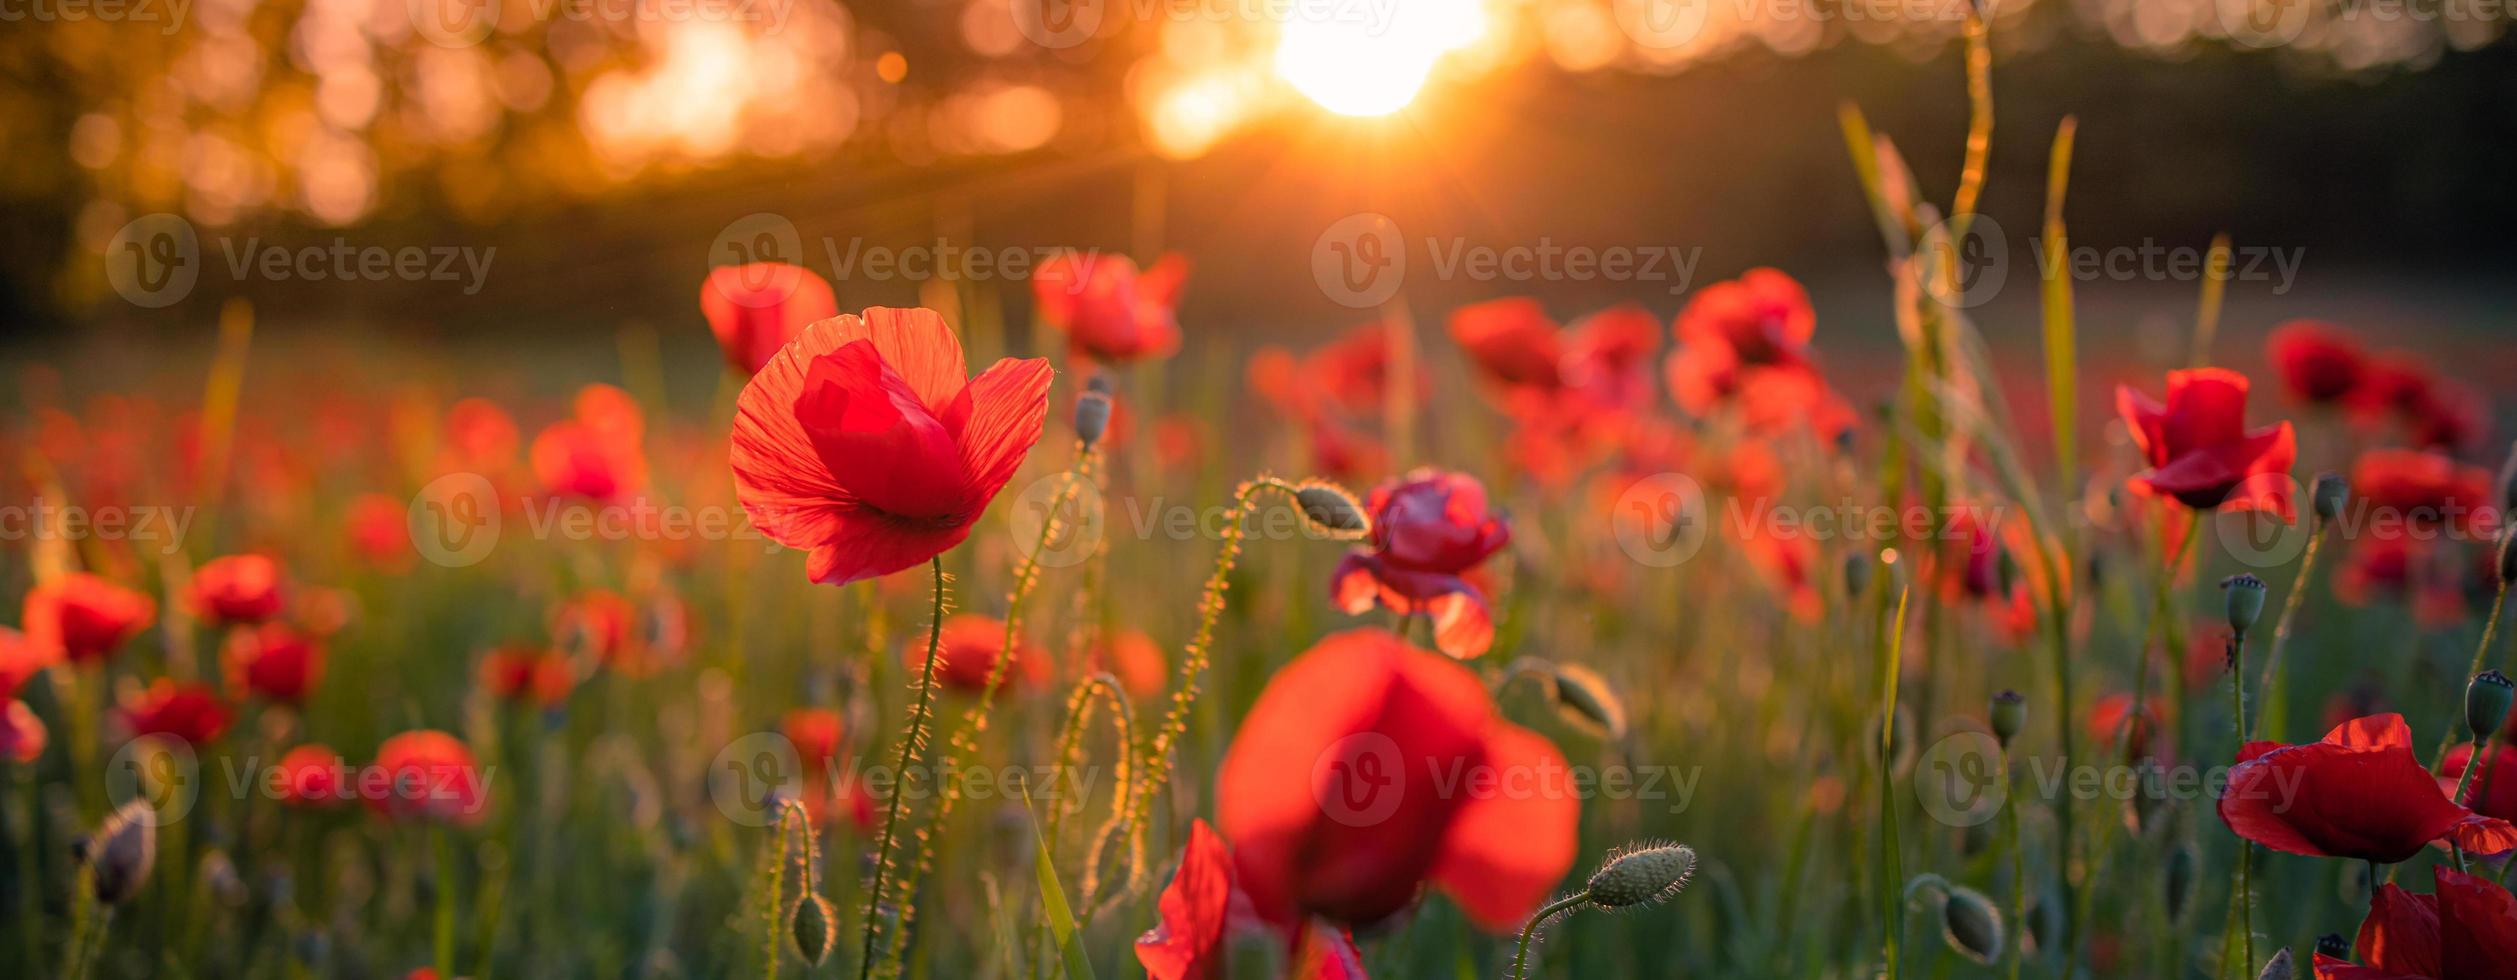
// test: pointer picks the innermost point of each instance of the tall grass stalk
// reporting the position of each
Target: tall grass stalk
(2271, 713)
(1891, 864)
(910, 746)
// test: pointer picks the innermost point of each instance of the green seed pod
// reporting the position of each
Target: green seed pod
(2486, 702)
(121, 852)
(2279, 967)
(2330, 493)
(1585, 699)
(1092, 416)
(1971, 924)
(2335, 945)
(814, 924)
(2246, 601)
(2009, 716)
(1330, 508)
(2179, 881)
(1641, 874)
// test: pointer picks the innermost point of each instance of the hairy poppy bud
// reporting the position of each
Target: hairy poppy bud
(1856, 573)
(120, 853)
(2329, 494)
(1585, 699)
(813, 924)
(2246, 601)
(1329, 507)
(2180, 880)
(1638, 875)
(2009, 715)
(2333, 944)
(2486, 702)
(2279, 967)
(1092, 413)
(1971, 924)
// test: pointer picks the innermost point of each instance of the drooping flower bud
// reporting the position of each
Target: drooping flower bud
(1971, 924)
(2329, 494)
(2009, 716)
(2246, 601)
(1584, 698)
(2179, 881)
(1638, 875)
(1092, 410)
(2487, 701)
(2279, 967)
(2507, 546)
(1856, 573)
(120, 853)
(1330, 508)
(813, 924)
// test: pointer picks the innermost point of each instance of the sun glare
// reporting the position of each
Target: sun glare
(1371, 59)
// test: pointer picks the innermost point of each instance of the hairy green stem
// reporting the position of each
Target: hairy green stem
(1520, 960)
(908, 761)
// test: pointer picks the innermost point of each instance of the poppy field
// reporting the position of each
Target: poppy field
(1036, 632)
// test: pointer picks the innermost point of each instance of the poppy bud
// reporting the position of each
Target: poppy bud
(2333, 944)
(2279, 967)
(1330, 508)
(2486, 702)
(2246, 601)
(1856, 573)
(1585, 699)
(813, 924)
(2508, 557)
(2009, 715)
(1641, 875)
(1971, 925)
(1092, 414)
(2508, 480)
(2330, 493)
(2180, 880)
(120, 853)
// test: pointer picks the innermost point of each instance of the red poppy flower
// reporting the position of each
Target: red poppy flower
(84, 617)
(2421, 489)
(2360, 794)
(428, 775)
(1111, 312)
(1343, 454)
(817, 734)
(968, 648)
(20, 660)
(2451, 416)
(310, 775)
(755, 309)
(21, 733)
(1761, 319)
(596, 453)
(237, 589)
(2318, 361)
(1428, 531)
(2107, 722)
(1135, 659)
(2199, 449)
(527, 674)
(1607, 356)
(479, 436)
(2493, 792)
(190, 712)
(600, 624)
(1202, 910)
(2467, 931)
(1512, 343)
(2393, 381)
(1368, 769)
(865, 442)
(275, 662)
(2400, 567)
(379, 530)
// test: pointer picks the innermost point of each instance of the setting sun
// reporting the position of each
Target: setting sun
(1371, 59)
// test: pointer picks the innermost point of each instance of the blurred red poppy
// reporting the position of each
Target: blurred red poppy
(866, 442)
(817, 734)
(310, 775)
(1511, 342)
(2358, 794)
(237, 589)
(1368, 769)
(22, 736)
(190, 712)
(2318, 362)
(1202, 910)
(427, 775)
(527, 674)
(2466, 931)
(1135, 659)
(2107, 722)
(1428, 531)
(20, 660)
(83, 617)
(596, 454)
(479, 436)
(379, 530)
(1110, 311)
(2419, 490)
(967, 651)
(2493, 792)
(275, 662)
(2199, 449)
(755, 309)
(1761, 319)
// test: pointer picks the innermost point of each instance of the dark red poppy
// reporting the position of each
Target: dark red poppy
(237, 589)
(1608, 356)
(22, 736)
(755, 309)
(274, 661)
(2360, 794)
(2403, 567)
(967, 652)
(596, 454)
(2318, 362)
(2415, 489)
(1761, 319)
(379, 530)
(1511, 342)
(527, 674)
(1110, 311)
(426, 775)
(2200, 451)
(311, 776)
(20, 660)
(1428, 531)
(2451, 416)
(866, 442)
(2108, 721)
(817, 734)
(83, 617)
(1369, 769)
(190, 712)
(2466, 931)
(2493, 792)
(1202, 910)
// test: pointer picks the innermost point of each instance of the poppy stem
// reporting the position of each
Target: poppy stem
(2490, 627)
(445, 900)
(1520, 960)
(2271, 698)
(908, 759)
(2245, 848)
(2474, 761)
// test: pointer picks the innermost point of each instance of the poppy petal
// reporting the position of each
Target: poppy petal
(2477, 928)
(870, 431)
(917, 343)
(1188, 942)
(1009, 409)
(2401, 933)
(1513, 841)
(2205, 407)
(868, 546)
